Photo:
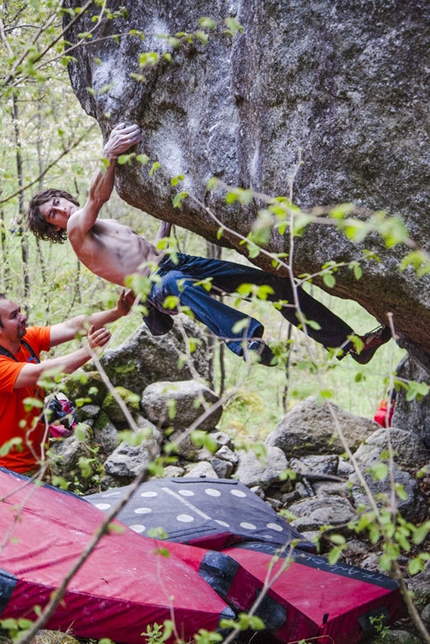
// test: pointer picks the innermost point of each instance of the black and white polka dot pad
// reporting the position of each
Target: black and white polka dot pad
(210, 512)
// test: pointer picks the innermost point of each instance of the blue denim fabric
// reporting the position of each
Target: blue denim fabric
(178, 279)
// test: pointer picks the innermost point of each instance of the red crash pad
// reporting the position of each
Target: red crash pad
(320, 599)
(123, 587)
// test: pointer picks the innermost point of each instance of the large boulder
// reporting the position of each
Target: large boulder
(412, 412)
(313, 427)
(143, 359)
(181, 405)
(324, 101)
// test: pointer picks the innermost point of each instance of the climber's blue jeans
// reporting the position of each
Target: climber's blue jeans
(179, 279)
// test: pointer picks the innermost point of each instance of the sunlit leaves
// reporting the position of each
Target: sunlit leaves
(418, 260)
(207, 23)
(239, 194)
(203, 439)
(148, 59)
(233, 26)
(329, 280)
(379, 471)
(177, 200)
(155, 166)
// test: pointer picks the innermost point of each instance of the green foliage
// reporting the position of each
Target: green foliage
(244, 622)
(203, 439)
(378, 623)
(155, 634)
(16, 627)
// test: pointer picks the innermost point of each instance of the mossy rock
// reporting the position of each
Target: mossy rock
(84, 387)
(112, 409)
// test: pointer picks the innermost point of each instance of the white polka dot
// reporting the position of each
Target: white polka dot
(184, 518)
(186, 493)
(138, 528)
(238, 493)
(142, 510)
(223, 523)
(211, 492)
(149, 494)
(274, 526)
(267, 537)
(103, 506)
(248, 526)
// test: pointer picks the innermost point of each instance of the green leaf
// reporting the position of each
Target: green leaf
(337, 539)
(203, 439)
(207, 23)
(142, 158)
(155, 167)
(329, 280)
(202, 36)
(334, 555)
(341, 211)
(125, 158)
(379, 471)
(421, 532)
(233, 26)
(179, 198)
(175, 180)
(148, 59)
(239, 194)
(415, 566)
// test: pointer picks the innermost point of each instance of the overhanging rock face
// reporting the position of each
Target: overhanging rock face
(341, 86)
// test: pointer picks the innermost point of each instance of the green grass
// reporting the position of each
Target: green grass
(258, 405)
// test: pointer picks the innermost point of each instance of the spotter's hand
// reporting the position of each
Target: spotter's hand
(99, 338)
(125, 301)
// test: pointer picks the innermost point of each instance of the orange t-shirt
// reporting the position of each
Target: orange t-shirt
(23, 457)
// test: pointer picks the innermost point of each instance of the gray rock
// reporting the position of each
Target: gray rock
(226, 454)
(303, 490)
(222, 468)
(253, 471)
(413, 415)
(315, 464)
(412, 508)
(325, 487)
(343, 84)
(408, 449)
(106, 439)
(73, 458)
(425, 615)
(344, 468)
(222, 439)
(127, 461)
(201, 470)
(420, 585)
(113, 408)
(143, 359)
(87, 412)
(399, 637)
(312, 514)
(186, 448)
(309, 428)
(181, 405)
(173, 471)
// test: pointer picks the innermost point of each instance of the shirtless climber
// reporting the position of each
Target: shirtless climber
(114, 251)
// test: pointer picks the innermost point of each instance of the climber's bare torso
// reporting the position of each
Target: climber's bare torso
(111, 250)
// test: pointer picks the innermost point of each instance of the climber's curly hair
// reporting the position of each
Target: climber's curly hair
(36, 221)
